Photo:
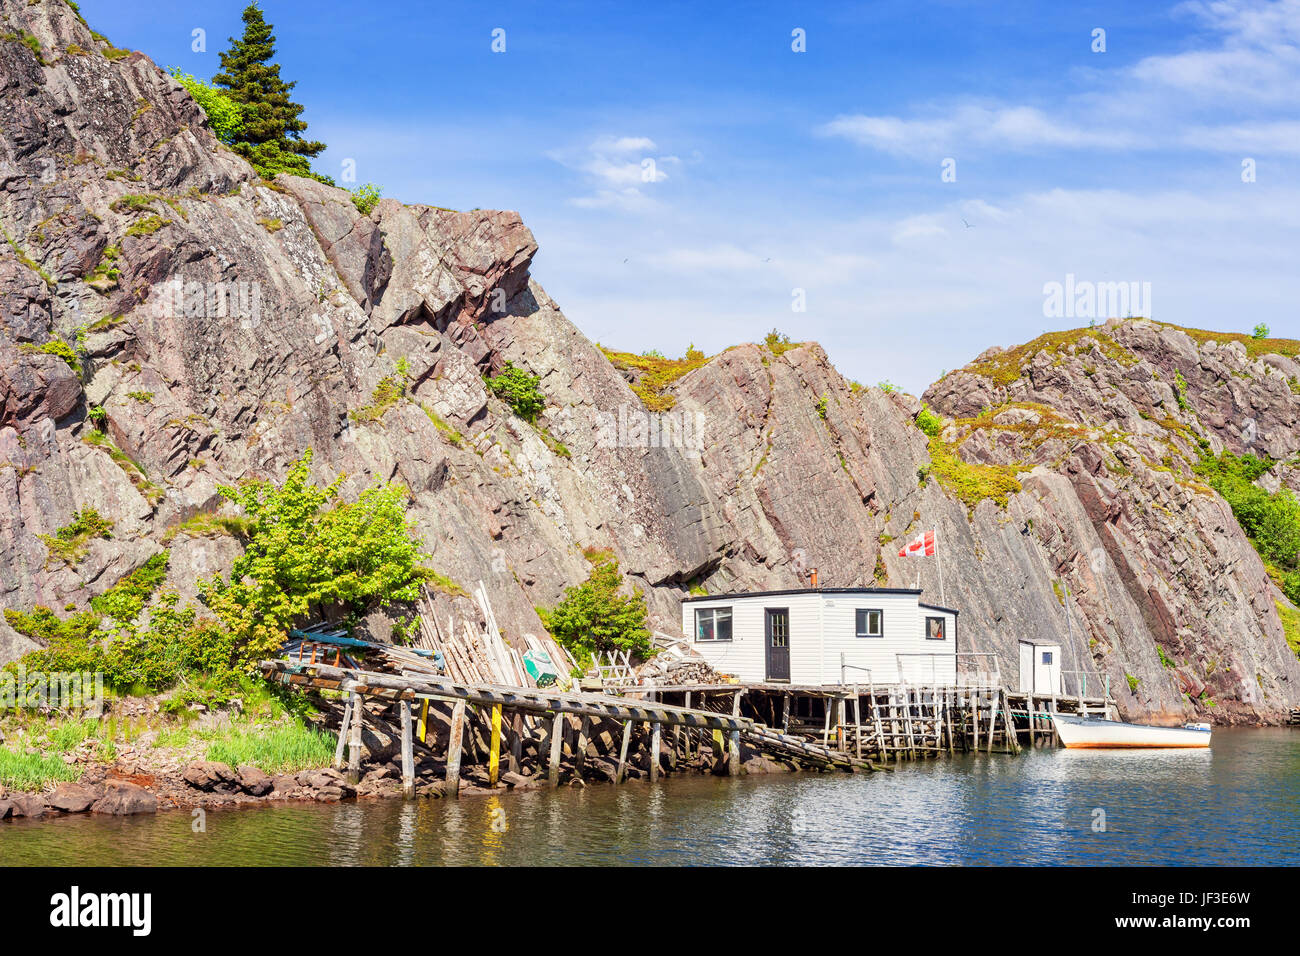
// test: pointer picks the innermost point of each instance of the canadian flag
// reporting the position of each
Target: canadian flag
(922, 547)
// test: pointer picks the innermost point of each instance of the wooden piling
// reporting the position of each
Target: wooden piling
(580, 750)
(354, 739)
(557, 741)
(733, 754)
(343, 734)
(516, 741)
(422, 728)
(622, 752)
(494, 748)
(454, 744)
(654, 751)
(408, 756)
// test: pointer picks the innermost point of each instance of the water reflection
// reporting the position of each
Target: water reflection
(1235, 804)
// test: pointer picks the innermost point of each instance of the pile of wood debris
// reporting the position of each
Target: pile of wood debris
(477, 653)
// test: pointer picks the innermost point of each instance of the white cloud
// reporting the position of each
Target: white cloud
(620, 170)
(1251, 66)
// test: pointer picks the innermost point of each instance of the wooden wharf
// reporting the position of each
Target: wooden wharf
(648, 730)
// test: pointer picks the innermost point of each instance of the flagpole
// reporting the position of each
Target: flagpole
(939, 555)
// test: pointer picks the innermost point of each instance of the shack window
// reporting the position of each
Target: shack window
(870, 623)
(935, 629)
(1047, 657)
(713, 624)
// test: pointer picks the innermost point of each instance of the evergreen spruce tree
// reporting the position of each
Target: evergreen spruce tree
(272, 132)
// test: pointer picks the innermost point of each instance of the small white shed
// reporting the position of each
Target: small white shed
(816, 636)
(1040, 667)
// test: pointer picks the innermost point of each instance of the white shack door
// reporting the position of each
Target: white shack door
(776, 629)
(1027, 667)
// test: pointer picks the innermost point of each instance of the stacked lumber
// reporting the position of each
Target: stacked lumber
(476, 652)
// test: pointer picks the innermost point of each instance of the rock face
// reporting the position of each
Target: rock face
(224, 324)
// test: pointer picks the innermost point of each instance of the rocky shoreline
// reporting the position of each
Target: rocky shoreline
(114, 790)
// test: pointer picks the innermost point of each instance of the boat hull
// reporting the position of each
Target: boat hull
(1096, 733)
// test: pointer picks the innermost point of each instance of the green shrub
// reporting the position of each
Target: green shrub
(225, 116)
(1260, 332)
(519, 390)
(594, 617)
(928, 421)
(365, 197)
(126, 599)
(307, 553)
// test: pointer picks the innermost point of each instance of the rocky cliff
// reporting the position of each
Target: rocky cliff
(224, 323)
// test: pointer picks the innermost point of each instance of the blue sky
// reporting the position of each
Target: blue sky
(776, 171)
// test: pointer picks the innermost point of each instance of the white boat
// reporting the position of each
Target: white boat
(1099, 732)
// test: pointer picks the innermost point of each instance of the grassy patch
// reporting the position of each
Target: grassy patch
(151, 492)
(1007, 366)
(147, 226)
(655, 375)
(279, 749)
(28, 261)
(206, 525)
(971, 483)
(71, 543)
(553, 443)
(441, 582)
(390, 390)
(1255, 347)
(22, 771)
(1291, 625)
(450, 433)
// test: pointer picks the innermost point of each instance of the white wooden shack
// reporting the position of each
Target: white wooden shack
(825, 636)
(1040, 667)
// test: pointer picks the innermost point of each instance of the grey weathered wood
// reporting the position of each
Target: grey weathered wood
(557, 744)
(622, 752)
(654, 751)
(454, 743)
(408, 755)
(354, 739)
(343, 735)
(516, 741)
(733, 753)
(580, 750)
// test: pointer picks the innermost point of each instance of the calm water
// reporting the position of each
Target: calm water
(1238, 803)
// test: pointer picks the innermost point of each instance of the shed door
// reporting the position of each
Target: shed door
(777, 631)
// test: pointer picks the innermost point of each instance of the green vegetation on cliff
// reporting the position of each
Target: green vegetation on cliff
(269, 134)
(1270, 521)
(595, 617)
(654, 374)
(306, 555)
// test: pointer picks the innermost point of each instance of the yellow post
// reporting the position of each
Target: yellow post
(422, 730)
(494, 758)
